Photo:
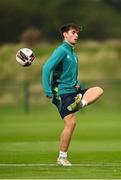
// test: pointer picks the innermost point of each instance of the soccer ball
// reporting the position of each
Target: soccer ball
(25, 57)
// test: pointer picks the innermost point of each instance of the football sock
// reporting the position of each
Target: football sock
(62, 154)
(83, 103)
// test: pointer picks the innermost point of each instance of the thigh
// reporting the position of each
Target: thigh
(62, 102)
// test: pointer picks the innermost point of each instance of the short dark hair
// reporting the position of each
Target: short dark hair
(68, 26)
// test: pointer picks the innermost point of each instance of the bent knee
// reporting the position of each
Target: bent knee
(73, 124)
(70, 121)
(99, 90)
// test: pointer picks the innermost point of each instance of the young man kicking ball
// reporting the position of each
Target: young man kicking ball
(59, 80)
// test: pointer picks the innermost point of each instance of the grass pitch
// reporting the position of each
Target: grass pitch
(29, 145)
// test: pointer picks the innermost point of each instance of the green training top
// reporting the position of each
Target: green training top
(61, 70)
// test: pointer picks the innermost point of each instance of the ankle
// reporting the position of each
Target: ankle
(83, 103)
(62, 154)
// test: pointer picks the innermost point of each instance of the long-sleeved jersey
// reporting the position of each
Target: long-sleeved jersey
(61, 71)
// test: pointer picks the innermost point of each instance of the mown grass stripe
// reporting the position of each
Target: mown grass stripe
(48, 165)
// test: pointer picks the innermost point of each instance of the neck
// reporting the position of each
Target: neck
(70, 43)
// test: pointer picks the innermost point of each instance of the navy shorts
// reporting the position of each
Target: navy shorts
(64, 100)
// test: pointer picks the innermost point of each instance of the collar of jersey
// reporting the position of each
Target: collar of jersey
(69, 46)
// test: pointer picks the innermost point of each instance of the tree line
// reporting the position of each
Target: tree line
(100, 19)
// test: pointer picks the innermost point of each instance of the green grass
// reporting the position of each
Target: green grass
(29, 140)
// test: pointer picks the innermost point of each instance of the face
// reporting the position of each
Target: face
(71, 36)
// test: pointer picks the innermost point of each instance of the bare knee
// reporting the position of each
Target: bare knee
(70, 121)
(72, 124)
(99, 90)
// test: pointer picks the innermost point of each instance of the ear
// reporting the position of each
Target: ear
(65, 34)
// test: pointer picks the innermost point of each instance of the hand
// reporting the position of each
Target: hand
(77, 87)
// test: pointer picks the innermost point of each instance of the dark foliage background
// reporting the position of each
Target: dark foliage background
(101, 19)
